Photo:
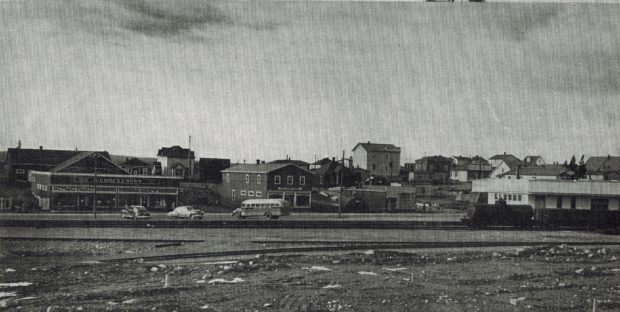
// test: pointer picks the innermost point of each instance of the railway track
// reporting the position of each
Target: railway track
(347, 246)
(264, 224)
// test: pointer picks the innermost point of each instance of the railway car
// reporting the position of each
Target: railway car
(499, 214)
(591, 218)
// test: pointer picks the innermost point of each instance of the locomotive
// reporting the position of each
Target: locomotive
(499, 214)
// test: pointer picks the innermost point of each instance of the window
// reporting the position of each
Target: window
(509, 196)
(386, 156)
(519, 196)
(250, 193)
(242, 192)
(302, 180)
(599, 204)
(558, 202)
(19, 171)
(496, 197)
(233, 195)
(289, 180)
(573, 203)
(258, 178)
(259, 194)
(276, 180)
(228, 178)
(247, 178)
(145, 171)
(374, 167)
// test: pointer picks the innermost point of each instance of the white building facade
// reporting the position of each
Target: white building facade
(552, 194)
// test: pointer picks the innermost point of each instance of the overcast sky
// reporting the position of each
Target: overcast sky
(260, 80)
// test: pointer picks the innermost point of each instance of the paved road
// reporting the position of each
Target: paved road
(437, 217)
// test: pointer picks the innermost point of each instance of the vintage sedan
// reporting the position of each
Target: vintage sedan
(135, 212)
(188, 212)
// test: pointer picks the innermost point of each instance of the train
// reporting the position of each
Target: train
(525, 216)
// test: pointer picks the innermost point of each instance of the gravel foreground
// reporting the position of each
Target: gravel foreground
(60, 276)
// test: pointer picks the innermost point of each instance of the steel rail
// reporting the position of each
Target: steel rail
(353, 247)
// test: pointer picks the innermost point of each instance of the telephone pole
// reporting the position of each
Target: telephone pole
(341, 174)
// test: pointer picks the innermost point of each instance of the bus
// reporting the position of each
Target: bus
(268, 208)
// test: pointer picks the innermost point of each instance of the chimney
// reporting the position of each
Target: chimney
(40, 147)
(504, 153)
(351, 162)
(368, 142)
(262, 162)
(333, 159)
(518, 167)
(258, 161)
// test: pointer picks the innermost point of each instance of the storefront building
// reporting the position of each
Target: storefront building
(90, 179)
(250, 181)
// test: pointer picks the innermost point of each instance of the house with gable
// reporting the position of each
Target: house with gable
(603, 167)
(176, 161)
(496, 160)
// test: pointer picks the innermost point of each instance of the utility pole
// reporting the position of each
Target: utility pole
(341, 186)
(189, 161)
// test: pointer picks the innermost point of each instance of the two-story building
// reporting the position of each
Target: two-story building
(260, 180)
(530, 161)
(176, 161)
(137, 166)
(19, 161)
(465, 169)
(497, 160)
(433, 169)
(381, 160)
(603, 167)
(91, 178)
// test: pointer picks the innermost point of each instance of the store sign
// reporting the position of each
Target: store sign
(73, 189)
(290, 188)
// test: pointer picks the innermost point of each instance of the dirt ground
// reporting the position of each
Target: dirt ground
(546, 278)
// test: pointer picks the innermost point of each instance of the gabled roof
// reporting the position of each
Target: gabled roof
(175, 152)
(299, 163)
(476, 160)
(376, 147)
(322, 162)
(532, 159)
(603, 164)
(259, 168)
(542, 170)
(103, 156)
(136, 162)
(504, 157)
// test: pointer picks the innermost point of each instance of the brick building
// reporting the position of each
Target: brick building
(251, 181)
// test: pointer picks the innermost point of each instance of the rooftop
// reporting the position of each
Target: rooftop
(377, 147)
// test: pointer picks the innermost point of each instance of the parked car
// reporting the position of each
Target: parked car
(135, 212)
(186, 212)
(269, 208)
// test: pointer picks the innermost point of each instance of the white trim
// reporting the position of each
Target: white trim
(47, 173)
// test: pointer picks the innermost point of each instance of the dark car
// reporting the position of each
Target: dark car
(135, 212)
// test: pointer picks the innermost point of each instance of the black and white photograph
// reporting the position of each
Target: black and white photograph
(326, 156)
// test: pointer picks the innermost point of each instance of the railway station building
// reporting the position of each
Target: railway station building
(552, 193)
(91, 178)
(267, 180)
